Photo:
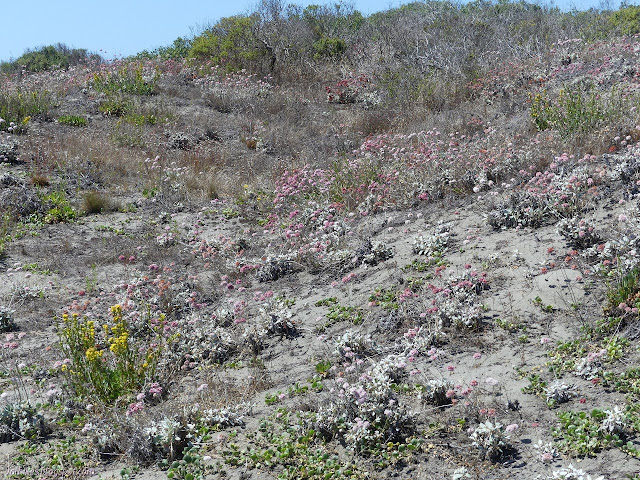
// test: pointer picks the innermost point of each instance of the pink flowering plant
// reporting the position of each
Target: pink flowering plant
(367, 412)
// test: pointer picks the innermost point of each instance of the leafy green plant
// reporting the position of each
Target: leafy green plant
(116, 106)
(177, 50)
(129, 78)
(329, 47)
(385, 298)
(59, 208)
(231, 42)
(67, 454)
(50, 57)
(586, 433)
(626, 20)
(35, 268)
(102, 372)
(189, 467)
(73, 120)
(574, 110)
(323, 367)
(545, 308)
(510, 326)
(564, 356)
(17, 108)
(536, 385)
(326, 302)
(141, 119)
(624, 290)
(229, 213)
(91, 280)
(339, 313)
(625, 382)
(283, 441)
(421, 266)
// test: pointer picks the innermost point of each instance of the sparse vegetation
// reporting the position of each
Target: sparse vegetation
(310, 243)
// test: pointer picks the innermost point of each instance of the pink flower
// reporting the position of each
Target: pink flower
(135, 407)
(451, 368)
(477, 355)
(155, 389)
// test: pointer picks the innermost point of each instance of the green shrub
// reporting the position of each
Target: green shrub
(17, 108)
(624, 291)
(179, 49)
(328, 47)
(50, 57)
(626, 20)
(128, 78)
(116, 106)
(575, 110)
(108, 362)
(73, 120)
(231, 43)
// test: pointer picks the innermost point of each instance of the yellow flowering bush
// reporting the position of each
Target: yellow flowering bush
(109, 362)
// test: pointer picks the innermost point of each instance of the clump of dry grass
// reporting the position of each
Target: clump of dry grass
(39, 180)
(98, 202)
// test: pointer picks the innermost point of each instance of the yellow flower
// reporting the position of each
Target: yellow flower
(93, 354)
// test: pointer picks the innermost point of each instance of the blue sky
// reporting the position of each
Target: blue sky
(120, 28)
